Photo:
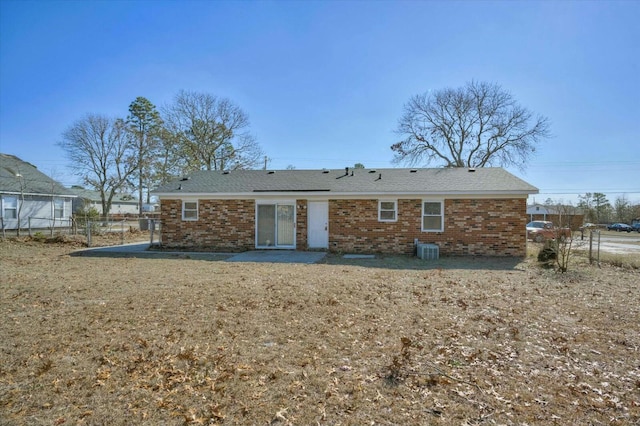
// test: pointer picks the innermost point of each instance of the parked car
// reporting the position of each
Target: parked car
(635, 226)
(588, 226)
(619, 227)
(540, 230)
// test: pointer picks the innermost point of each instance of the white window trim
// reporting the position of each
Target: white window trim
(61, 200)
(395, 210)
(441, 215)
(5, 207)
(190, 219)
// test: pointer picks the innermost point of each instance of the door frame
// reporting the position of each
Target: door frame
(324, 219)
(276, 203)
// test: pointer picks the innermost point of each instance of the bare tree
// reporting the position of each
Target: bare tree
(211, 133)
(564, 245)
(623, 209)
(559, 249)
(100, 153)
(477, 125)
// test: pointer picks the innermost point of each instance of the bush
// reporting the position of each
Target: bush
(87, 214)
(549, 252)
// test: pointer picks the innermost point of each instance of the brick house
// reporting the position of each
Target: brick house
(561, 215)
(463, 211)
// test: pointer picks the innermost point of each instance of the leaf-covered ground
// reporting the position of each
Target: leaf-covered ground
(389, 341)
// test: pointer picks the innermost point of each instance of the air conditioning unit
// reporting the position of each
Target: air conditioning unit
(428, 251)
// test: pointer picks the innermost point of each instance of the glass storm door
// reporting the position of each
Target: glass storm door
(276, 226)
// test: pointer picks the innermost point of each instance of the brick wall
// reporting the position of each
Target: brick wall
(471, 227)
(484, 227)
(354, 227)
(301, 224)
(222, 225)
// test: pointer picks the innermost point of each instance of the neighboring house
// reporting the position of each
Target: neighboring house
(463, 211)
(121, 204)
(561, 215)
(31, 199)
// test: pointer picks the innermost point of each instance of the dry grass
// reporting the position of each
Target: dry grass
(579, 257)
(387, 341)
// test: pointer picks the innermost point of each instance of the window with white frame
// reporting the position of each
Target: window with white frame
(189, 210)
(432, 216)
(387, 210)
(58, 208)
(10, 207)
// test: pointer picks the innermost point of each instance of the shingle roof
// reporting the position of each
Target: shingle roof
(20, 177)
(488, 180)
(88, 194)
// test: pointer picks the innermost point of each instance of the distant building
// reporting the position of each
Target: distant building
(31, 199)
(121, 204)
(569, 216)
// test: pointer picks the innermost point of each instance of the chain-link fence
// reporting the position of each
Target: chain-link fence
(594, 246)
(85, 226)
(121, 227)
(33, 226)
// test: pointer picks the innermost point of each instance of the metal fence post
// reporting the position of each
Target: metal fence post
(88, 227)
(598, 249)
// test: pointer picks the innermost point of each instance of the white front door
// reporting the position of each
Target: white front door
(318, 224)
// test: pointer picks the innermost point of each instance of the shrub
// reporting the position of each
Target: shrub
(549, 252)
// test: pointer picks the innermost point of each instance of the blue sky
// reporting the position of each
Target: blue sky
(324, 82)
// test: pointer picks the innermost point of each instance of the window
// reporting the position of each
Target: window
(10, 207)
(189, 210)
(387, 211)
(58, 208)
(432, 216)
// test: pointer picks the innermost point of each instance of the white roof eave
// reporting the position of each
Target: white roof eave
(331, 194)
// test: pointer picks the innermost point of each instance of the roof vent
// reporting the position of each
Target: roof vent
(270, 172)
(412, 171)
(226, 172)
(472, 169)
(325, 171)
(372, 171)
(185, 178)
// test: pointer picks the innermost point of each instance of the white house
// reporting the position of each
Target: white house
(31, 199)
(121, 204)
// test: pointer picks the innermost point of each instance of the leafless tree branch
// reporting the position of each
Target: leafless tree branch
(477, 125)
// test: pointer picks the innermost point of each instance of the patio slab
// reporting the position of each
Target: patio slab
(278, 256)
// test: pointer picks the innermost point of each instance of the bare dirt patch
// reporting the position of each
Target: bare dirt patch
(385, 341)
